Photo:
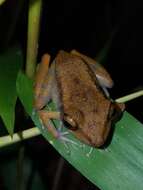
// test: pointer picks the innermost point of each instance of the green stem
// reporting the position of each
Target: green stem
(130, 97)
(33, 34)
(2, 1)
(28, 133)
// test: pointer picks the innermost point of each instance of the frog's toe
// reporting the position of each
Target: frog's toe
(62, 137)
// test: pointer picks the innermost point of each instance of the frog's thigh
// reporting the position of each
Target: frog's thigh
(45, 93)
(102, 75)
(100, 72)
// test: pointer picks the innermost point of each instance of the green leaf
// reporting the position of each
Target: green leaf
(24, 89)
(120, 166)
(10, 63)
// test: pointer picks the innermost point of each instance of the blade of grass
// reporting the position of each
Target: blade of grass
(119, 166)
(130, 97)
(33, 34)
(10, 64)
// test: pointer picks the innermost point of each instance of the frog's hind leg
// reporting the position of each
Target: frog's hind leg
(43, 83)
(41, 73)
(102, 75)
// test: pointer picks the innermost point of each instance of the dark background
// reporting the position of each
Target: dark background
(85, 26)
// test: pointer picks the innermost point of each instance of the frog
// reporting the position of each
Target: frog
(78, 85)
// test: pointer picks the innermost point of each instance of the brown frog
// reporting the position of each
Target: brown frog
(78, 85)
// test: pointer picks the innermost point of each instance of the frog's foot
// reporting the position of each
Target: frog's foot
(62, 136)
(66, 141)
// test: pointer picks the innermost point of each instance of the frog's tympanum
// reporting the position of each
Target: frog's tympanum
(78, 85)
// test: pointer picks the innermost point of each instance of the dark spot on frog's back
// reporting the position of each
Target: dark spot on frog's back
(94, 110)
(89, 93)
(76, 81)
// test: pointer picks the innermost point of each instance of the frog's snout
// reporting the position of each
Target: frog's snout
(99, 141)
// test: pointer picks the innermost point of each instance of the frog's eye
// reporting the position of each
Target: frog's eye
(69, 122)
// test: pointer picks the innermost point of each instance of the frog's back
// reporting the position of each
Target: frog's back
(71, 69)
(76, 80)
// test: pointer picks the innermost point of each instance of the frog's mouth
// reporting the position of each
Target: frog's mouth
(82, 136)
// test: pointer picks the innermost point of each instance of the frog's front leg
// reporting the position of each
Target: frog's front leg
(102, 75)
(45, 117)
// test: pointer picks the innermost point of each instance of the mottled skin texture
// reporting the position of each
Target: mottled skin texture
(82, 100)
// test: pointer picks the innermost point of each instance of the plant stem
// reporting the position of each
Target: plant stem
(28, 133)
(2, 1)
(33, 34)
(130, 97)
